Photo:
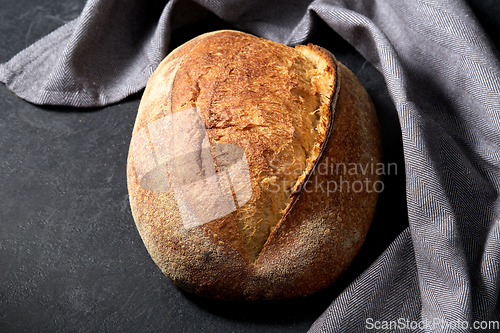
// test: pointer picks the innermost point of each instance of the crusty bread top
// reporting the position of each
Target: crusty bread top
(269, 99)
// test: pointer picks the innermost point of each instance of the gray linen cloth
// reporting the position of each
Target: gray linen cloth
(442, 273)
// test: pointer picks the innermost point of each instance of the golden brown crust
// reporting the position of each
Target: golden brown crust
(320, 232)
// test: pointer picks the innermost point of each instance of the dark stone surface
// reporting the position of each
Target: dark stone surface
(71, 259)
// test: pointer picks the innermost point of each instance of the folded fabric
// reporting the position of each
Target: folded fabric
(442, 273)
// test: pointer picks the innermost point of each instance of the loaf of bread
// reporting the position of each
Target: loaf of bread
(251, 167)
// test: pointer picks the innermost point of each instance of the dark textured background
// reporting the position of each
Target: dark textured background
(71, 259)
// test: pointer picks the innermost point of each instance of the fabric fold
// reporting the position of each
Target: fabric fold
(103, 56)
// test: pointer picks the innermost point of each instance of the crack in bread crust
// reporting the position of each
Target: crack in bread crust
(271, 100)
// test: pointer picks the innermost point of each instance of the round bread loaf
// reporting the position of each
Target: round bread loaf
(252, 170)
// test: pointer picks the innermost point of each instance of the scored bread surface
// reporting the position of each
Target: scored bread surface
(276, 103)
